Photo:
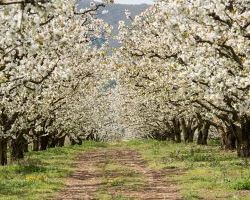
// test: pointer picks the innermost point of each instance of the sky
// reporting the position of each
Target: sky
(133, 1)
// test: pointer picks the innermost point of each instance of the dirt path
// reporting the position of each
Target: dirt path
(117, 174)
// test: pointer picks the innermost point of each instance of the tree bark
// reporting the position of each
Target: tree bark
(184, 130)
(205, 131)
(199, 139)
(79, 141)
(170, 135)
(243, 137)
(44, 141)
(61, 141)
(187, 130)
(17, 152)
(203, 134)
(238, 128)
(26, 146)
(229, 141)
(53, 142)
(3, 151)
(177, 130)
(36, 144)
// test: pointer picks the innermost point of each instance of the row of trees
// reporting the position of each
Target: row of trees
(186, 69)
(49, 77)
(183, 67)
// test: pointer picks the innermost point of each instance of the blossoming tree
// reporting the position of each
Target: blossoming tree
(45, 57)
(194, 57)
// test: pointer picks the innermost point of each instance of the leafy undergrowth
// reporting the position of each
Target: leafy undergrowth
(205, 172)
(41, 174)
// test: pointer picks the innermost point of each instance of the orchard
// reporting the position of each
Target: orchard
(188, 62)
(48, 73)
(181, 74)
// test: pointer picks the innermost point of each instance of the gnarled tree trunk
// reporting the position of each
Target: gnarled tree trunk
(243, 137)
(239, 129)
(187, 130)
(228, 140)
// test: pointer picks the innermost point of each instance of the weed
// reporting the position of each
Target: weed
(115, 183)
(120, 197)
(243, 184)
(191, 196)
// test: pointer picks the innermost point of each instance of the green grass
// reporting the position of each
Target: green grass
(41, 174)
(243, 184)
(118, 177)
(204, 172)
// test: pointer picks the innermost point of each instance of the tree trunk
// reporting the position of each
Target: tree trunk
(243, 138)
(205, 131)
(177, 130)
(61, 141)
(53, 142)
(26, 147)
(187, 130)
(178, 137)
(73, 142)
(243, 149)
(44, 141)
(76, 141)
(79, 141)
(191, 132)
(199, 139)
(203, 134)
(17, 152)
(171, 136)
(228, 139)
(3, 152)
(36, 144)
(184, 130)
(191, 136)
(170, 132)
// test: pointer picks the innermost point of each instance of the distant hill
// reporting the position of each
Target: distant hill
(114, 13)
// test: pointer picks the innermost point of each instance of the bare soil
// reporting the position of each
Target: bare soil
(90, 178)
